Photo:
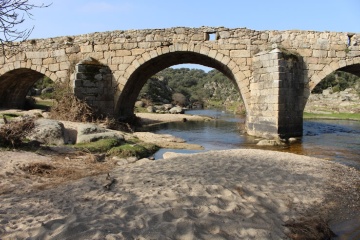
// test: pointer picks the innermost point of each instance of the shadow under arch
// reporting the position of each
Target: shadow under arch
(14, 86)
(126, 101)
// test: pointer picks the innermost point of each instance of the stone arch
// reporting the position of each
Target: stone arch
(14, 86)
(137, 74)
(351, 65)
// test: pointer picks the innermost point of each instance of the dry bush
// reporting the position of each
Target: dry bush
(70, 108)
(309, 229)
(13, 133)
(37, 168)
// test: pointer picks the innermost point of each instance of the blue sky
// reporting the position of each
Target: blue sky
(74, 17)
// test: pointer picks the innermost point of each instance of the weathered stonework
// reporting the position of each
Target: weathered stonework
(133, 56)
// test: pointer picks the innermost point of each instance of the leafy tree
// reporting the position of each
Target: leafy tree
(12, 14)
(338, 81)
(193, 84)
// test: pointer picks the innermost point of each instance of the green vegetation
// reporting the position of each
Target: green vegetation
(344, 116)
(140, 150)
(338, 81)
(187, 87)
(115, 147)
(9, 115)
(100, 146)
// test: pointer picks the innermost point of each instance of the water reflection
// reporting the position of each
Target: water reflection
(337, 140)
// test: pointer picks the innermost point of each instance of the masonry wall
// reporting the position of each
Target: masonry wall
(276, 87)
(233, 51)
(93, 84)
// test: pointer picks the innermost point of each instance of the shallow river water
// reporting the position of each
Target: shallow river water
(335, 140)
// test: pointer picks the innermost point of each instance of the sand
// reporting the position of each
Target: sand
(232, 194)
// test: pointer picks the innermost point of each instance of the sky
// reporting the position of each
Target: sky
(74, 17)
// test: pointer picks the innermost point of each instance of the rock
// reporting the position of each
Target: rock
(167, 155)
(90, 128)
(131, 159)
(98, 157)
(139, 104)
(327, 92)
(47, 90)
(176, 110)
(90, 133)
(167, 106)
(151, 109)
(47, 131)
(268, 142)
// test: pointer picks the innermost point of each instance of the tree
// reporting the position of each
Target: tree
(12, 14)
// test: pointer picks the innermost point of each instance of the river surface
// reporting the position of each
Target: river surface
(335, 140)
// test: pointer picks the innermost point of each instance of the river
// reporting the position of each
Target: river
(335, 140)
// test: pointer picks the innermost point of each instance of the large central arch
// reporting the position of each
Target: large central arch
(125, 104)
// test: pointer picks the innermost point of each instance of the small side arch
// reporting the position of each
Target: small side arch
(14, 86)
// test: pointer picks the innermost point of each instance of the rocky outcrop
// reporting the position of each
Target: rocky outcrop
(92, 132)
(346, 101)
(47, 131)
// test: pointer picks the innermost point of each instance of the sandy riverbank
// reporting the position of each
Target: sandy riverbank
(153, 118)
(234, 194)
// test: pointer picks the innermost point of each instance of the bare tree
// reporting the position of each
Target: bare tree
(12, 14)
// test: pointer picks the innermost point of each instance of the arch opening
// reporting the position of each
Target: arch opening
(126, 102)
(337, 93)
(15, 85)
(193, 88)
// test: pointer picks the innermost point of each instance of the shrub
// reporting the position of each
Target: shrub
(14, 133)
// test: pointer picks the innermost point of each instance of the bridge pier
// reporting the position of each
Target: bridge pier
(93, 84)
(276, 95)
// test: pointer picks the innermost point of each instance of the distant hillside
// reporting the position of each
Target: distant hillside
(197, 87)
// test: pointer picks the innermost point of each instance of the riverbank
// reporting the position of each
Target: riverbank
(148, 119)
(233, 194)
(335, 116)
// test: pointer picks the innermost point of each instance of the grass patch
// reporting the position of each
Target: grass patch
(44, 104)
(342, 116)
(9, 115)
(115, 147)
(139, 150)
(100, 146)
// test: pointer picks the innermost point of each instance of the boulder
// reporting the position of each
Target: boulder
(269, 142)
(176, 110)
(151, 109)
(139, 104)
(90, 133)
(48, 131)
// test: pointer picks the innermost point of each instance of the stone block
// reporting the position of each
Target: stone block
(37, 55)
(86, 49)
(240, 53)
(54, 67)
(320, 53)
(103, 47)
(72, 49)
(129, 59)
(58, 53)
(122, 53)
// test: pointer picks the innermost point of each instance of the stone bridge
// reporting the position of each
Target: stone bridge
(274, 71)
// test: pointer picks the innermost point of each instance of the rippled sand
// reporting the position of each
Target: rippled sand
(232, 194)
